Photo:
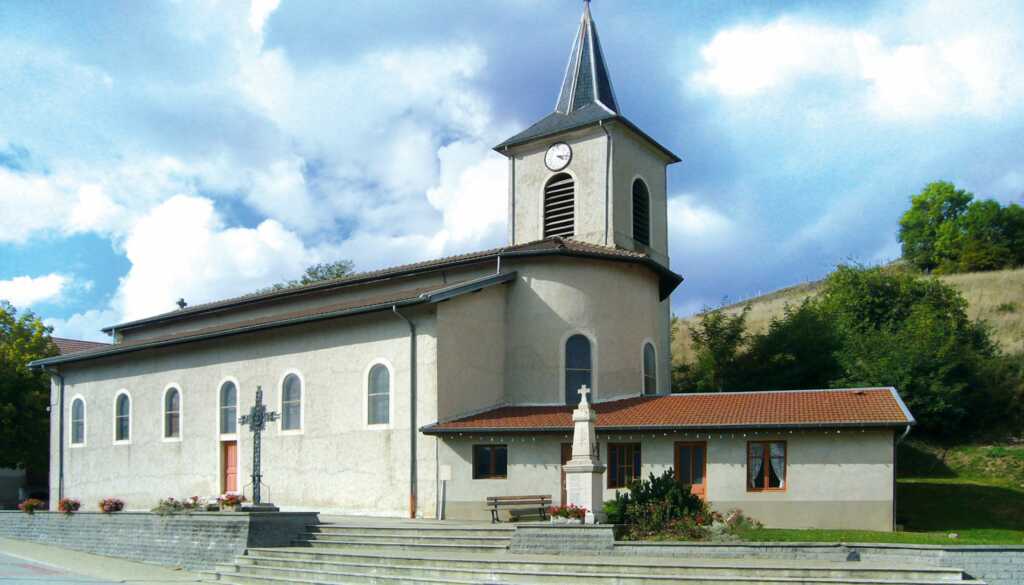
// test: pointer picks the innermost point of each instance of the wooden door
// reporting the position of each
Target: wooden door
(566, 456)
(691, 466)
(230, 466)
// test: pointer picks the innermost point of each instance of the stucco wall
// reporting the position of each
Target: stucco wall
(471, 352)
(633, 157)
(835, 480)
(615, 305)
(322, 467)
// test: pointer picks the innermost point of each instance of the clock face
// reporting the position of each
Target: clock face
(558, 156)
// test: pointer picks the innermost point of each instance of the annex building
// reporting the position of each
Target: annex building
(422, 389)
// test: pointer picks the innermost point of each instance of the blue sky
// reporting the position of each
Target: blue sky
(204, 149)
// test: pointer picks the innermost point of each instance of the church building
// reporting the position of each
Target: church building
(421, 390)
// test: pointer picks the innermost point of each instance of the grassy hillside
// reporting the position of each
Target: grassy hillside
(995, 297)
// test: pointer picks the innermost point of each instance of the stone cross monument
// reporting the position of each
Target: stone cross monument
(583, 473)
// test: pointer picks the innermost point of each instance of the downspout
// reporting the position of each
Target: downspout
(60, 432)
(412, 411)
(895, 450)
(511, 198)
(607, 177)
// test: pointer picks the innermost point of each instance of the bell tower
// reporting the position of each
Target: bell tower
(585, 171)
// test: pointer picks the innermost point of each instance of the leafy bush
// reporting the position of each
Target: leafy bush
(30, 505)
(109, 505)
(68, 505)
(615, 510)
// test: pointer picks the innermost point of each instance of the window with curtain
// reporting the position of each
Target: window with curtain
(650, 370)
(78, 422)
(490, 461)
(766, 465)
(559, 206)
(122, 418)
(641, 213)
(291, 403)
(172, 414)
(228, 408)
(378, 397)
(623, 464)
(577, 367)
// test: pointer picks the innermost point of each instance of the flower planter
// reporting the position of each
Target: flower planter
(561, 520)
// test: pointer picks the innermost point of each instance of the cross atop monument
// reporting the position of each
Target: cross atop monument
(583, 393)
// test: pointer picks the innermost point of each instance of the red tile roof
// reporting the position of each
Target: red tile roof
(66, 346)
(790, 408)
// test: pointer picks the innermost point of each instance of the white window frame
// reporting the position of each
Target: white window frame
(181, 413)
(131, 408)
(560, 399)
(302, 403)
(643, 367)
(391, 395)
(71, 422)
(238, 399)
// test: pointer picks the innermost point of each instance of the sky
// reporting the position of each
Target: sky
(203, 149)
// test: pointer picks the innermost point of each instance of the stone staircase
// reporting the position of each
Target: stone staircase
(434, 553)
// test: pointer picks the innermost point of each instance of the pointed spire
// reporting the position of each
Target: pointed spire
(586, 78)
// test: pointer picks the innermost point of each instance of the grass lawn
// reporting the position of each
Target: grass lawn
(976, 492)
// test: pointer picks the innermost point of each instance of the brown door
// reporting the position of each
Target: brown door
(566, 456)
(691, 466)
(230, 479)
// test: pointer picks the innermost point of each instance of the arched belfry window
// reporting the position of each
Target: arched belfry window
(650, 370)
(228, 408)
(559, 206)
(641, 213)
(578, 367)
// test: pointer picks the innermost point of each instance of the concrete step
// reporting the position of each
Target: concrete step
(413, 537)
(361, 529)
(535, 568)
(442, 545)
(412, 574)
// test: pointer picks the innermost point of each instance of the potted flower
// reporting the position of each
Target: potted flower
(230, 502)
(110, 505)
(571, 514)
(68, 506)
(30, 505)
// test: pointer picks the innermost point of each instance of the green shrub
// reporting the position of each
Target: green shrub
(1010, 307)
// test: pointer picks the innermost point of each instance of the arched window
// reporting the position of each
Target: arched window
(378, 396)
(650, 369)
(172, 413)
(578, 369)
(122, 417)
(228, 408)
(641, 213)
(291, 403)
(78, 421)
(559, 206)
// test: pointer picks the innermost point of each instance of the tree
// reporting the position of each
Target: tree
(902, 330)
(24, 394)
(940, 202)
(320, 272)
(716, 340)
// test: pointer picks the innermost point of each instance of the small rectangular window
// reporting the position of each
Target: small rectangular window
(490, 461)
(623, 464)
(766, 465)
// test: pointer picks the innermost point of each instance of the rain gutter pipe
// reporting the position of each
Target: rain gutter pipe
(412, 410)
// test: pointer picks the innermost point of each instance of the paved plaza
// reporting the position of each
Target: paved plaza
(25, 562)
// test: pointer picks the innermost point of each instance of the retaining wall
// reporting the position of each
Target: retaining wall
(194, 541)
(996, 565)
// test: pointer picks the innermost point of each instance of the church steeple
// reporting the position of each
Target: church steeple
(586, 79)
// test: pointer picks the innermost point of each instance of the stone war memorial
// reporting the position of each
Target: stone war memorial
(433, 422)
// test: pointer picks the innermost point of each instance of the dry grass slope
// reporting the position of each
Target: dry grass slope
(995, 297)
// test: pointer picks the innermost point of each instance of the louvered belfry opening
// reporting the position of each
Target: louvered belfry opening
(641, 213)
(559, 206)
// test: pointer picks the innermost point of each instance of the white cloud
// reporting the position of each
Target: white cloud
(259, 12)
(87, 325)
(25, 291)
(974, 69)
(694, 222)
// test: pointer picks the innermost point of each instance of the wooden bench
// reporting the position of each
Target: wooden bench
(518, 505)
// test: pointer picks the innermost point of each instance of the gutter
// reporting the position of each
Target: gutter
(433, 430)
(607, 175)
(60, 432)
(412, 410)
